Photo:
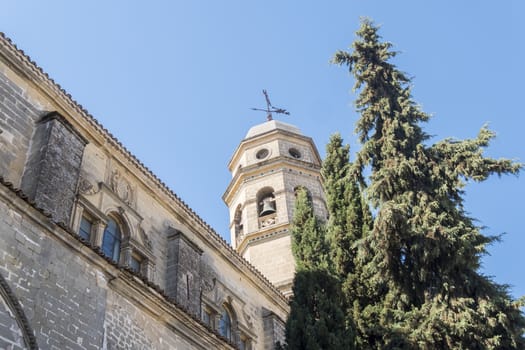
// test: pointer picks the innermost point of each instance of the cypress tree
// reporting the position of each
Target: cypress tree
(349, 216)
(316, 320)
(349, 221)
(335, 172)
(308, 237)
(421, 259)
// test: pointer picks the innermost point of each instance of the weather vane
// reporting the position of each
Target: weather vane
(270, 109)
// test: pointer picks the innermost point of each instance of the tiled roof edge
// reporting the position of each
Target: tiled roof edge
(138, 163)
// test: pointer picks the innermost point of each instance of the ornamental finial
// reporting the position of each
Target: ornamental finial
(270, 109)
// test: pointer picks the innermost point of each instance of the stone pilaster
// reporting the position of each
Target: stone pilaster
(183, 271)
(53, 166)
(274, 330)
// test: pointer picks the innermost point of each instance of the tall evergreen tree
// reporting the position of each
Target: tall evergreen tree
(349, 216)
(421, 259)
(335, 172)
(308, 235)
(316, 320)
(349, 221)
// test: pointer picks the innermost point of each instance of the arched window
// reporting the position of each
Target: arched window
(112, 240)
(225, 324)
(237, 221)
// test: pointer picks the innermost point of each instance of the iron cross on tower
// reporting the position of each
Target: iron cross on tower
(270, 109)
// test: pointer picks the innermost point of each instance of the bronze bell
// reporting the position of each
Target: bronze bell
(268, 206)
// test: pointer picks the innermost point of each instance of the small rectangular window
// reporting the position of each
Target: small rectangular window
(85, 228)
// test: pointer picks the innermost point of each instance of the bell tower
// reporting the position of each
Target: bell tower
(268, 166)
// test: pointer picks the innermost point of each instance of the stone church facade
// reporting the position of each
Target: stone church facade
(97, 253)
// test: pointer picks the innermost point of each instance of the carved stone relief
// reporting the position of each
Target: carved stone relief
(121, 187)
(145, 239)
(247, 318)
(86, 187)
(208, 280)
(268, 221)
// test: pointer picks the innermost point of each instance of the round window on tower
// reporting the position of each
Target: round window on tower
(262, 153)
(294, 152)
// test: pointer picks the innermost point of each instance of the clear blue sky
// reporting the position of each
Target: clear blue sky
(175, 81)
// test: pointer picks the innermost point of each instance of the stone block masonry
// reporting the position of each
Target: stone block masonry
(274, 330)
(51, 173)
(57, 290)
(11, 325)
(65, 290)
(183, 271)
(17, 118)
(72, 300)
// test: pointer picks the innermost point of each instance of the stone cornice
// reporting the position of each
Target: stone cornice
(280, 163)
(261, 138)
(174, 233)
(261, 236)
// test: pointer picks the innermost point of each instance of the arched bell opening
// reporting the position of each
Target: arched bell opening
(266, 202)
(266, 207)
(237, 222)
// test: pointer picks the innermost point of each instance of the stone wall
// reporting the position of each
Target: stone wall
(273, 256)
(17, 118)
(183, 271)
(74, 297)
(15, 332)
(58, 291)
(53, 166)
(11, 336)
(274, 330)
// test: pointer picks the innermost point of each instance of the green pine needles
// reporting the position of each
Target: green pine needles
(408, 277)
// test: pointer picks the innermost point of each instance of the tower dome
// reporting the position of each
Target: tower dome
(272, 125)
